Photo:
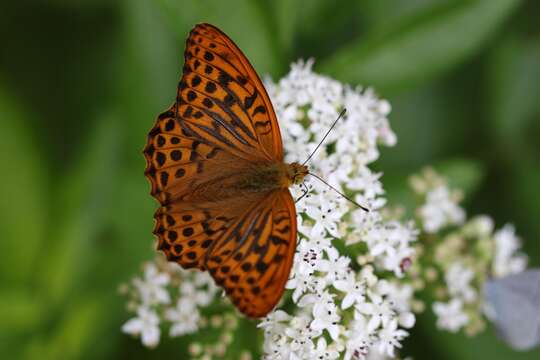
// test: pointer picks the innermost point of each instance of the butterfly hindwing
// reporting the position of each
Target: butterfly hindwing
(187, 232)
(252, 260)
(247, 250)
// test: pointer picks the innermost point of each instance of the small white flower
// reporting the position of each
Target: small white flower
(389, 338)
(336, 267)
(278, 349)
(366, 182)
(323, 352)
(390, 244)
(184, 317)
(306, 262)
(301, 335)
(152, 289)
(450, 316)
(507, 259)
(407, 319)
(458, 279)
(379, 311)
(325, 215)
(354, 291)
(367, 275)
(198, 291)
(358, 338)
(275, 322)
(146, 324)
(440, 210)
(400, 295)
(326, 318)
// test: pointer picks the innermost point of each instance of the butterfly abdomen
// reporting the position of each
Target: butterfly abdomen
(264, 178)
(273, 176)
(257, 178)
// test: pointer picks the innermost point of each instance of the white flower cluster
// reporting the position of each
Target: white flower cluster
(152, 299)
(376, 309)
(466, 255)
(441, 205)
(355, 273)
(339, 312)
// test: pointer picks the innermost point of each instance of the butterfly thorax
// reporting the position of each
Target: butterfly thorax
(296, 173)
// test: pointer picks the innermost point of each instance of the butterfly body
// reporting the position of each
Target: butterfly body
(215, 163)
(252, 179)
(273, 176)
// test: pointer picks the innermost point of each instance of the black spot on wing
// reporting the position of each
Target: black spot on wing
(224, 79)
(210, 87)
(196, 80)
(249, 100)
(259, 110)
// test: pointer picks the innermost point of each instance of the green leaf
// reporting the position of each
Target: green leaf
(286, 19)
(425, 47)
(19, 311)
(22, 208)
(149, 72)
(513, 97)
(381, 14)
(525, 206)
(463, 174)
(151, 53)
(77, 333)
(84, 197)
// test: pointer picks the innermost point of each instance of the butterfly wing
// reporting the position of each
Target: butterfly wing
(178, 161)
(220, 83)
(247, 246)
(253, 258)
(220, 125)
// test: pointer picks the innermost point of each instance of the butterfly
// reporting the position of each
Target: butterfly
(215, 163)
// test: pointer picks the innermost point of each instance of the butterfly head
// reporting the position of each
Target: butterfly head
(296, 173)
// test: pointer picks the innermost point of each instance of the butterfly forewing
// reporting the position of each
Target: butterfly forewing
(214, 59)
(221, 126)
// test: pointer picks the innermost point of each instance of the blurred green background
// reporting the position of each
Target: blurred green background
(81, 83)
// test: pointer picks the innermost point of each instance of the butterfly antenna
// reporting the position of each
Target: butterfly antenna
(324, 137)
(339, 192)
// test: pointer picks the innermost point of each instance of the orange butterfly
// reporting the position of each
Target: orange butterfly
(215, 162)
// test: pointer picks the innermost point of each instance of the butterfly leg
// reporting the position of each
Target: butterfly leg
(306, 191)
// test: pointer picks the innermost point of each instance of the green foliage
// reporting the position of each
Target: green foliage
(422, 46)
(82, 82)
(462, 174)
(23, 193)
